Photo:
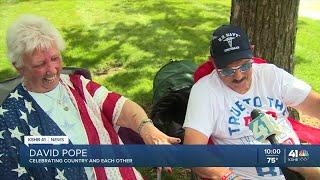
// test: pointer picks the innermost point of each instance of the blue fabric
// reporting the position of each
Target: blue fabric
(20, 115)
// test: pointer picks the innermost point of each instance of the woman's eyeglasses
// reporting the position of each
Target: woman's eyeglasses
(230, 71)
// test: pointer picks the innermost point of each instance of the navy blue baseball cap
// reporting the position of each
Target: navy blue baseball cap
(228, 44)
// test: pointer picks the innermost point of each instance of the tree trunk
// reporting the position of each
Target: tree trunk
(271, 25)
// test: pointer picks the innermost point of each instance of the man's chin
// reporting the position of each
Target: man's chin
(241, 88)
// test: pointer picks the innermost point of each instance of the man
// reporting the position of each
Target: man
(220, 103)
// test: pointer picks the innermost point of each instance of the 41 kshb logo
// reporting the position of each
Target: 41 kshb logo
(298, 155)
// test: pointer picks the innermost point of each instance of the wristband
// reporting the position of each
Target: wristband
(143, 122)
(229, 176)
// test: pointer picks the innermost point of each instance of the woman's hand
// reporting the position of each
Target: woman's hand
(152, 135)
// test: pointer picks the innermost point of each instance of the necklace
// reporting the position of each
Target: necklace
(60, 99)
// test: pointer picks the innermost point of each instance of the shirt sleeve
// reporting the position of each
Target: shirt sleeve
(294, 91)
(199, 115)
(110, 103)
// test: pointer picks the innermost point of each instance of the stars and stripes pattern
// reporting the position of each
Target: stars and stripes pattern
(20, 116)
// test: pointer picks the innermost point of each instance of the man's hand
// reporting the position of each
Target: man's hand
(309, 173)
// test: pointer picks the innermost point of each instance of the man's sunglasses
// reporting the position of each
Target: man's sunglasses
(230, 71)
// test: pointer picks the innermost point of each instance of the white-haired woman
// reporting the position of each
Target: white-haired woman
(54, 104)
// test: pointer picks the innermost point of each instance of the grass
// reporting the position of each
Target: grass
(308, 52)
(124, 43)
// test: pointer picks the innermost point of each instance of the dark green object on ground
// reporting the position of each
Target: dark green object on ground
(171, 89)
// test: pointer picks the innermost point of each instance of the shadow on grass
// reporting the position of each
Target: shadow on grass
(177, 35)
(131, 83)
(20, 1)
(301, 60)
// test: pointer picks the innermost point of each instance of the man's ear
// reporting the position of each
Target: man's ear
(252, 47)
(210, 58)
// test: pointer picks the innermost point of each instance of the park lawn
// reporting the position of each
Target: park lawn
(307, 52)
(124, 43)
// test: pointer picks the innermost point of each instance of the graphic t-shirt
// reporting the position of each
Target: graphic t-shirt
(223, 114)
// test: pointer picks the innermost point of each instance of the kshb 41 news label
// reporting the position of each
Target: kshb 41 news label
(46, 140)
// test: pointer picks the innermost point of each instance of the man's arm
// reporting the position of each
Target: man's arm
(311, 105)
(309, 173)
(193, 136)
(134, 117)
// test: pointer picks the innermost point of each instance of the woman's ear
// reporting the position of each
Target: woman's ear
(19, 69)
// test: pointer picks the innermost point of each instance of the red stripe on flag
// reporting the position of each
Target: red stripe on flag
(108, 108)
(88, 125)
(92, 87)
(111, 131)
(109, 104)
(100, 173)
(127, 173)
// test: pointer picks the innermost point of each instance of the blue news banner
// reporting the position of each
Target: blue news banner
(170, 155)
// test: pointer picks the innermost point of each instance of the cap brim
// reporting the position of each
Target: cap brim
(227, 59)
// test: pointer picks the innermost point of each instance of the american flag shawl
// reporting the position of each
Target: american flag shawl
(20, 115)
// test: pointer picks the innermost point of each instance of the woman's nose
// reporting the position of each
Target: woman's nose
(51, 68)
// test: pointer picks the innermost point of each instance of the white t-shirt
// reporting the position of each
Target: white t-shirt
(223, 114)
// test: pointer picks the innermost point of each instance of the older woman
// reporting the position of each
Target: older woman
(50, 103)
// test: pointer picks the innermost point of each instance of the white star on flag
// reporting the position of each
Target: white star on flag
(24, 116)
(29, 106)
(2, 111)
(1, 134)
(16, 133)
(0, 157)
(60, 175)
(20, 170)
(34, 131)
(15, 95)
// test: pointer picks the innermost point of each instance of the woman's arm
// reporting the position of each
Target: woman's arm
(134, 117)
